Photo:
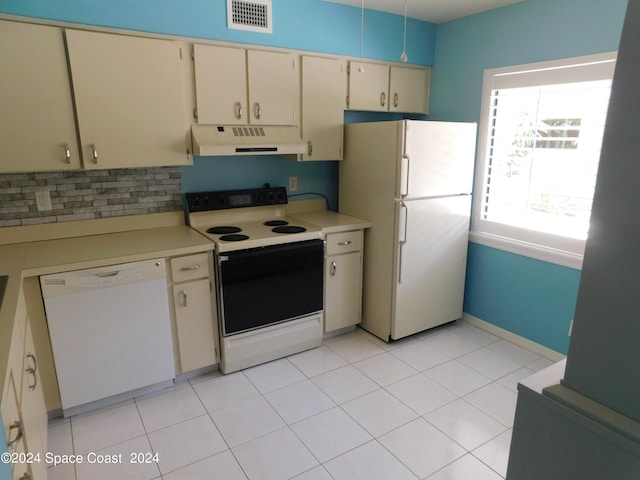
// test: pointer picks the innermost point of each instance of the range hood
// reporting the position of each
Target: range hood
(212, 140)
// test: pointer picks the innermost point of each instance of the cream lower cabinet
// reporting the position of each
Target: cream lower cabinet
(195, 313)
(343, 280)
(23, 409)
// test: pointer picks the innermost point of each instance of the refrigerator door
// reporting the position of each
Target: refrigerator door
(431, 263)
(438, 159)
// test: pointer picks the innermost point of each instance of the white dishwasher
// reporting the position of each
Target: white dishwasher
(110, 331)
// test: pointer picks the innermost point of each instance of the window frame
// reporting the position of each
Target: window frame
(551, 248)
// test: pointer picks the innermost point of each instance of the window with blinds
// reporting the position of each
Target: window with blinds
(540, 137)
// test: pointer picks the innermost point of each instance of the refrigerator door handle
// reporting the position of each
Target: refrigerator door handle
(404, 175)
(404, 221)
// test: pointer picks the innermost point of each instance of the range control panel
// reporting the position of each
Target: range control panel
(205, 201)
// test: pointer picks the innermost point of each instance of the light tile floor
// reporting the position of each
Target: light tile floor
(436, 406)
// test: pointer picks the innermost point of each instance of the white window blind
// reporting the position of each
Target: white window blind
(540, 137)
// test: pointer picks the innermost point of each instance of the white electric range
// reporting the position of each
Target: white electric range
(269, 274)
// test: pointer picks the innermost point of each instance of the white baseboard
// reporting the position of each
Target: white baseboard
(513, 338)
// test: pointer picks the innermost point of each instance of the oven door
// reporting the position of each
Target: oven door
(268, 285)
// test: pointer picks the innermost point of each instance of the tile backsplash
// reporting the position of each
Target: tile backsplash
(89, 194)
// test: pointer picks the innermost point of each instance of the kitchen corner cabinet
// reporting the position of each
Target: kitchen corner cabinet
(343, 280)
(235, 86)
(324, 92)
(130, 95)
(194, 309)
(23, 409)
(38, 130)
(388, 88)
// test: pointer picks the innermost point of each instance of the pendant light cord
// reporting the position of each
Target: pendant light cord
(361, 68)
(403, 57)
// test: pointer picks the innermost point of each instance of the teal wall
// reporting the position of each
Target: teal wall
(310, 25)
(531, 298)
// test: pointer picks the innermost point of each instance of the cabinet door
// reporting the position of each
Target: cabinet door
(195, 322)
(368, 89)
(221, 85)
(343, 290)
(34, 411)
(324, 91)
(409, 90)
(130, 99)
(38, 129)
(274, 88)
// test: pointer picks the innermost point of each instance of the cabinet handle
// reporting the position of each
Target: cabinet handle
(35, 378)
(184, 298)
(35, 362)
(190, 269)
(383, 99)
(94, 153)
(20, 426)
(238, 108)
(256, 109)
(26, 476)
(332, 270)
(395, 100)
(348, 242)
(67, 153)
(309, 148)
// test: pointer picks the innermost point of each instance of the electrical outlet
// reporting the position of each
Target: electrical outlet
(43, 200)
(293, 184)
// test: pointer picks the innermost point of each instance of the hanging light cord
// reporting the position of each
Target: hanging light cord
(403, 57)
(361, 68)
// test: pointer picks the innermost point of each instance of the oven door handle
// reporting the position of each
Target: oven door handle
(280, 249)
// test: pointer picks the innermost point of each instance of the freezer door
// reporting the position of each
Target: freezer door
(438, 159)
(431, 263)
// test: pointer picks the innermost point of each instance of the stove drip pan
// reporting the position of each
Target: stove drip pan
(234, 237)
(223, 230)
(275, 223)
(289, 229)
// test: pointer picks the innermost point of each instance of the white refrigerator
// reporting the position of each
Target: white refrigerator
(412, 180)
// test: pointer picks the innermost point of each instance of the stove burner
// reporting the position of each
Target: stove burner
(223, 230)
(288, 229)
(234, 237)
(275, 223)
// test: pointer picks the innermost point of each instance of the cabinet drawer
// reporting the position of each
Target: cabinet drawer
(344, 242)
(190, 267)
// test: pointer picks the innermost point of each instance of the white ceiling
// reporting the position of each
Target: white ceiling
(435, 11)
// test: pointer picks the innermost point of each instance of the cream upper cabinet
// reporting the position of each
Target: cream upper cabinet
(131, 98)
(274, 88)
(409, 89)
(324, 91)
(38, 128)
(368, 86)
(238, 87)
(382, 88)
(221, 84)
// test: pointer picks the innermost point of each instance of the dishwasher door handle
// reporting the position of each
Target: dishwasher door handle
(107, 274)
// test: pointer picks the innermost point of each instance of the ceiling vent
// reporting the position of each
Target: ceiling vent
(252, 15)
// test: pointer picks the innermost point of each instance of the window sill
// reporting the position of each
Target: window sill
(538, 252)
